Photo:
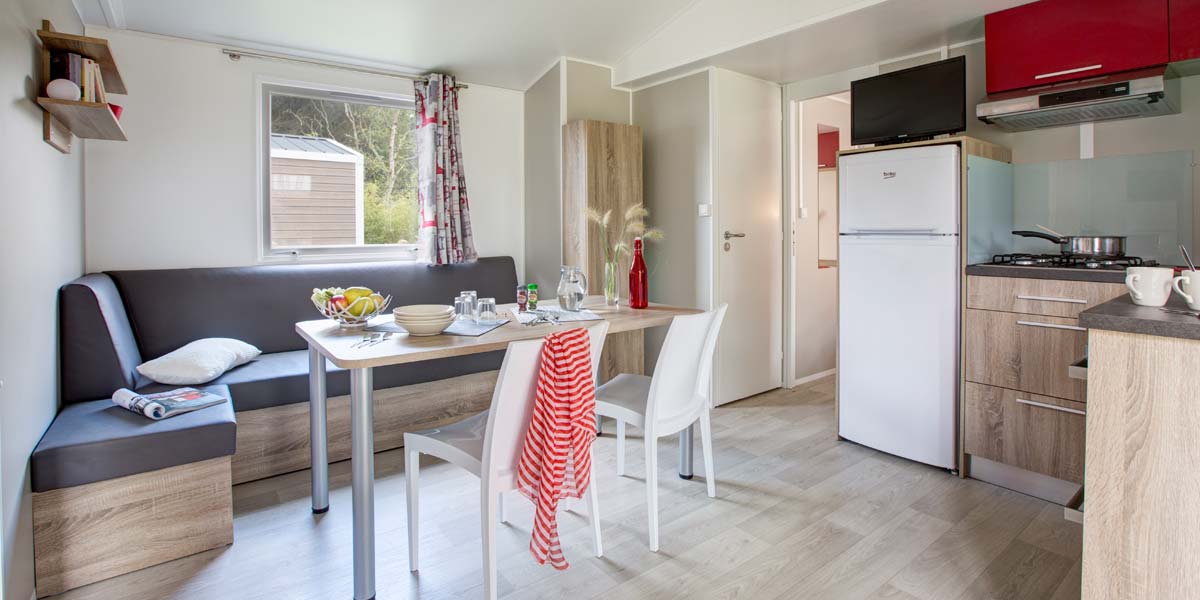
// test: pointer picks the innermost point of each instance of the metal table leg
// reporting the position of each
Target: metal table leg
(685, 453)
(362, 457)
(316, 431)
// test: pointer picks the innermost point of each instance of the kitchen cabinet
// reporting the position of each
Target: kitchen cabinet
(1061, 40)
(828, 144)
(1185, 29)
(1036, 433)
(1024, 352)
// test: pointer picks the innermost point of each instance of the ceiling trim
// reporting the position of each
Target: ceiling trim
(114, 13)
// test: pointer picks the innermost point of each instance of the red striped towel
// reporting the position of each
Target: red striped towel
(556, 460)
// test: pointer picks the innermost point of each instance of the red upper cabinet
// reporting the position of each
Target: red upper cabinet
(1060, 40)
(827, 149)
(1185, 29)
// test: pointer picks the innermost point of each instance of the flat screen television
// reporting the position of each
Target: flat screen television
(915, 103)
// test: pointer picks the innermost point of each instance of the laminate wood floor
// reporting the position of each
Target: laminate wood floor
(798, 514)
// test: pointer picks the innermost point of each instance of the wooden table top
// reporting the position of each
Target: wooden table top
(335, 342)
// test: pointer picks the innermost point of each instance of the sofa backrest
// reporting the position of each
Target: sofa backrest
(110, 323)
(97, 350)
(260, 305)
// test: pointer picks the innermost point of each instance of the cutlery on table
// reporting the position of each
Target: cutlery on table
(1176, 311)
(367, 339)
(1191, 265)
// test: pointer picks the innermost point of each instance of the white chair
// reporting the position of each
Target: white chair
(489, 446)
(672, 400)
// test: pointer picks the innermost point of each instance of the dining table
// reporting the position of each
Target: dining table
(329, 341)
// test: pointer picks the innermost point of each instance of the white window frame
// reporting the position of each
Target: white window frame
(264, 88)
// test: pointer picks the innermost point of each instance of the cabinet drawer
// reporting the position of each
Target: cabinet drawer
(1024, 352)
(1032, 432)
(1049, 297)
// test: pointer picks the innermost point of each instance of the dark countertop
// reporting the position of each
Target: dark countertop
(1094, 275)
(1121, 314)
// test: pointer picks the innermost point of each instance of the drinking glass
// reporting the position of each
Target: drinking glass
(487, 310)
(464, 308)
(474, 299)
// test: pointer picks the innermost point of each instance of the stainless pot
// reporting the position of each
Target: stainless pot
(1099, 246)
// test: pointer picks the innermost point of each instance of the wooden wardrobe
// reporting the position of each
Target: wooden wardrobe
(602, 169)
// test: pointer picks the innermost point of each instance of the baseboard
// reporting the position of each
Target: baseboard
(813, 377)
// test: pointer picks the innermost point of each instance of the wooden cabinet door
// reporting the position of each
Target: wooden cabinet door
(1024, 352)
(1062, 40)
(1185, 29)
(1050, 297)
(1029, 431)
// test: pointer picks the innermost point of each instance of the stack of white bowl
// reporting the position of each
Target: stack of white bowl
(424, 319)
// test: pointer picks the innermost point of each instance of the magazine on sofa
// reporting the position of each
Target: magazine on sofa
(165, 404)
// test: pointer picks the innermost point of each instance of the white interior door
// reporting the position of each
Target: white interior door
(749, 268)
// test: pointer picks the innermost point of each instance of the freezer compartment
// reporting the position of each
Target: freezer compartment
(910, 190)
(898, 331)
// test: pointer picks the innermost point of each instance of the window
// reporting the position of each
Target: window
(339, 173)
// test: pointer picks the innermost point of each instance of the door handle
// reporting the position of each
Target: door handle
(1051, 406)
(729, 235)
(1051, 326)
(1068, 71)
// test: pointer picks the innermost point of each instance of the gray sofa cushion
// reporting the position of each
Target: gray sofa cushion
(282, 377)
(98, 440)
(260, 305)
(97, 351)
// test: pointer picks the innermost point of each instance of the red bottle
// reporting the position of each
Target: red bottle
(639, 289)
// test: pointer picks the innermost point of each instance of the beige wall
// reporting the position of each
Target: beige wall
(41, 248)
(590, 94)
(676, 142)
(543, 178)
(188, 174)
(815, 315)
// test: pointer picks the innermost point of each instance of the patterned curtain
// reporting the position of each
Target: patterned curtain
(445, 235)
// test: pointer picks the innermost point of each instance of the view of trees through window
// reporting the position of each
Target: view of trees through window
(384, 136)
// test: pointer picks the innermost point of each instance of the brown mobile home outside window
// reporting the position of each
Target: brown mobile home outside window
(340, 173)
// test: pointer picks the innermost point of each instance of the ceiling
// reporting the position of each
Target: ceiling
(507, 43)
(510, 43)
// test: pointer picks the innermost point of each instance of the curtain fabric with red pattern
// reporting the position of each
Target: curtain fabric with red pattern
(444, 234)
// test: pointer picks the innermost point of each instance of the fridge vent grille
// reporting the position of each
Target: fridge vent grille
(1125, 108)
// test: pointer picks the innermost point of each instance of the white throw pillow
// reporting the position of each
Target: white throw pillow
(199, 362)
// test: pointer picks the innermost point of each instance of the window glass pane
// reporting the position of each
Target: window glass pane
(341, 173)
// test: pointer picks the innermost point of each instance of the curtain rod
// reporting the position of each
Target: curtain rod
(235, 55)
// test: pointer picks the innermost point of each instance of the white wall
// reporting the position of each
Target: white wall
(182, 191)
(590, 94)
(41, 248)
(677, 171)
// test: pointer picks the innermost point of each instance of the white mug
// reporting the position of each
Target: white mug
(1186, 285)
(1149, 286)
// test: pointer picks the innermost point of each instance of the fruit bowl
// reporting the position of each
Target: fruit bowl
(351, 307)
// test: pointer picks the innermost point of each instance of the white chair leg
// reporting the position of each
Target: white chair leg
(710, 476)
(620, 448)
(652, 488)
(488, 530)
(594, 513)
(412, 466)
(500, 508)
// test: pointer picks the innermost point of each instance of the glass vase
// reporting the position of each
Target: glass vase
(611, 283)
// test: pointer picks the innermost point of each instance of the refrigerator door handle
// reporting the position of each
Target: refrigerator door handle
(894, 230)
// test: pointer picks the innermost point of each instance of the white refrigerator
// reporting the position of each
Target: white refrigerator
(898, 289)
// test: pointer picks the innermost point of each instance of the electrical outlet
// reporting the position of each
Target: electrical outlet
(704, 210)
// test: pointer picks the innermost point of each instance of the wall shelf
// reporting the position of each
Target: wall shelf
(65, 119)
(90, 120)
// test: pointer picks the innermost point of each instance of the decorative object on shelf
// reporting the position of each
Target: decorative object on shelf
(63, 89)
(351, 307)
(633, 225)
(116, 109)
(572, 288)
(639, 285)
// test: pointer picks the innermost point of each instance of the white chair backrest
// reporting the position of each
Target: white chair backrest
(512, 405)
(679, 390)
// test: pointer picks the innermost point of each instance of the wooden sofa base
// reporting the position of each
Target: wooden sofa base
(91, 532)
(272, 441)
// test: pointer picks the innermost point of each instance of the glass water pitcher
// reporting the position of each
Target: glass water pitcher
(572, 288)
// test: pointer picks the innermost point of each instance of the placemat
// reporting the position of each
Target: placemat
(463, 328)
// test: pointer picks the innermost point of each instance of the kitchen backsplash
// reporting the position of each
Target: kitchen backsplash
(1146, 197)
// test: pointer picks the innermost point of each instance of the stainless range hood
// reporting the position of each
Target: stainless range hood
(1143, 93)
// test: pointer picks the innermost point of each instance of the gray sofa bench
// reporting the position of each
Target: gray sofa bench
(112, 322)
